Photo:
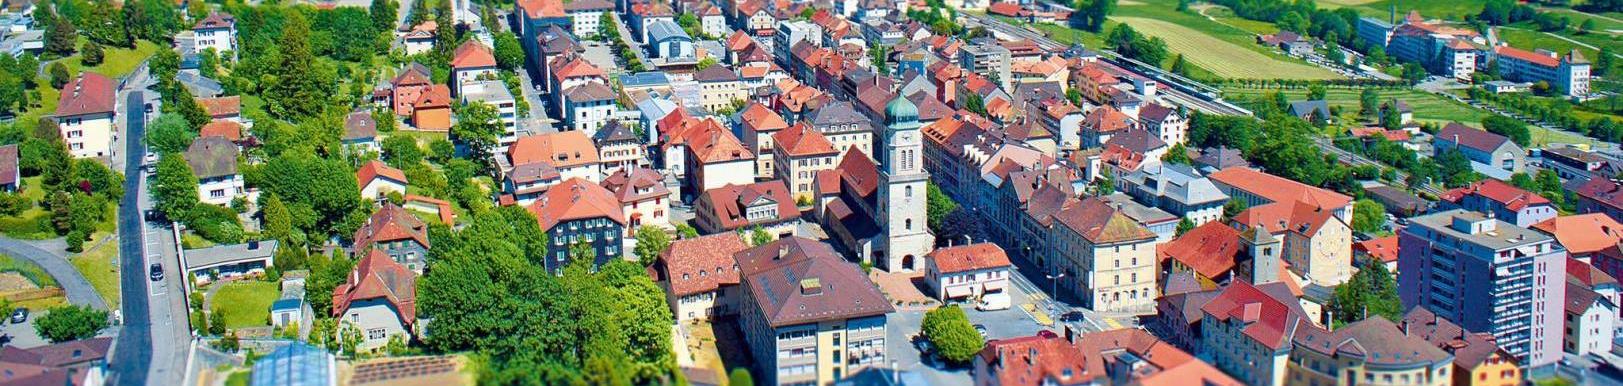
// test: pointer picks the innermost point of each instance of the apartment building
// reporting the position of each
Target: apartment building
(1568, 74)
(809, 317)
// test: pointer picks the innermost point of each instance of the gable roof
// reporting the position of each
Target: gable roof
(391, 223)
(437, 96)
(376, 169)
(212, 157)
(1376, 340)
(222, 106)
(1470, 349)
(972, 257)
(702, 264)
(1588, 275)
(1268, 320)
(1468, 137)
(379, 276)
(8, 165)
(90, 93)
(561, 150)
(761, 119)
(1279, 189)
(216, 20)
(802, 140)
(1383, 249)
(575, 199)
(1102, 223)
(229, 130)
(1208, 249)
(1106, 119)
(728, 203)
(1583, 233)
(414, 74)
(360, 125)
(716, 73)
(1510, 196)
(473, 54)
(626, 182)
(797, 280)
(1136, 140)
(589, 92)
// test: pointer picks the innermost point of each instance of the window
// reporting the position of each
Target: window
(376, 333)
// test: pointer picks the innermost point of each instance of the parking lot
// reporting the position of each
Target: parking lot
(22, 335)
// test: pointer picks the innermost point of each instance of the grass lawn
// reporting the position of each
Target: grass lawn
(1227, 16)
(1224, 50)
(26, 268)
(1431, 9)
(33, 223)
(246, 303)
(1529, 38)
(118, 61)
(97, 266)
(1427, 107)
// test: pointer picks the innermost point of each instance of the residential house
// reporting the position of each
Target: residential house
(432, 111)
(577, 212)
(643, 197)
(361, 131)
(1370, 351)
(619, 148)
(1316, 244)
(764, 204)
(80, 362)
(1099, 124)
(808, 316)
(1215, 254)
(420, 38)
(1247, 332)
(1315, 112)
(1600, 195)
(379, 298)
(1478, 361)
(719, 88)
(84, 115)
(1503, 200)
(1500, 272)
(377, 180)
(700, 276)
(1165, 122)
(1491, 154)
(407, 88)
(1583, 235)
(584, 15)
(472, 61)
(226, 108)
(967, 272)
(844, 127)
(644, 17)
(1590, 321)
(589, 106)
(802, 153)
(11, 177)
(759, 124)
(1121, 356)
(214, 161)
(537, 162)
(217, 31)
(397, 233)
(1177, 189)
(1380, 250)
(495, 94)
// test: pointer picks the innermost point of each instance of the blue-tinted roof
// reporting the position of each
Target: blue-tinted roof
(642, 79)
(296, 364)
(664, 29)
(287, 304)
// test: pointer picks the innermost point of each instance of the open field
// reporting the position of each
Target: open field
(1223, 58)
(1431, 9)
(246, 303)
(1227, 16)
(97, 267)
(1427, 108)
(118, 61)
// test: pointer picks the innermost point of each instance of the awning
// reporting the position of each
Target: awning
(958, 292)
(995, 286)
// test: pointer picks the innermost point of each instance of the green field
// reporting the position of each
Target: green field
(97, 267)
(117, 62)
(1227, 16)
(28, 270)
(1431, 9)
(1427, 108)
(246, 303)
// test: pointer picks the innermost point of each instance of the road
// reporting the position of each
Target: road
(134, 354)
(78, 289)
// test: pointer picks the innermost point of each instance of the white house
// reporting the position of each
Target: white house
(84, 115)
(214, 161)
(588, 107)
(217, 31)
(470, 62)
(378, 179)
(966, 272)
(379, 300)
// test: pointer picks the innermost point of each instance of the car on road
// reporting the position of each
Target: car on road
(155, 271)
(19, 315)
(981, 328)
(1073, 316)
(152, 215)
(994, 301)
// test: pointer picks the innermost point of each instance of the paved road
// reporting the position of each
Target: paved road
(78, 289)
(134, 354)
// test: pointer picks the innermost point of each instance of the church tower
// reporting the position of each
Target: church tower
(902, 190)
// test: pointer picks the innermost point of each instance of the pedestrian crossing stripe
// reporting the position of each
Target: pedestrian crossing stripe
(1112, 323)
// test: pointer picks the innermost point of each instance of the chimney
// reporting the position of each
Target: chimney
(253, 245)
(811, 286)
(783, 251)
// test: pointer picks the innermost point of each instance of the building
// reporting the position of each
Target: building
(643, 198)
(989, 59)
(1441, 49)
(1601, 195)
(765, 204)
(844, 126)
(432, 111)
(1573, 163)
(296, 362)
(217, 31)
(361, 132)
(11, 177)
(570, 154)
(1584, 235)
(77, 363)
(619, 148)
(397, 233)
(1477, 360)
(377, 180)
(1165, 122)
(495, 93)
(584, 15)
(700, 276)
(1590, 321)
(589, 106)
(791, 33)
(1178, 189)
(1112, 357)
(1568, 75)
(1380, 250)
(1216, 253)
(214, 161)
(1107, 258)
(1373, 351)
(406, 88)
(420, 38)
(379, 298)
(719, 88)
(807, 315)
(470, 62)
(669, 42)
(902, 180)
(1248, 333)
(759, 124)
(967, 272)
(84, 115)
(1487, 275)
(222, 262)
(576, 212)
(1317, 237)
(1505, 201)
(802, 153)
(1498, 156)
(1256, 188)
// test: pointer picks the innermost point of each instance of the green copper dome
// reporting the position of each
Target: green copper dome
(900, 110)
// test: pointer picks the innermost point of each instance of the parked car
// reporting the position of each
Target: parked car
(994, 301)
(19, 315)
(156, 271)
(1073, 316)
(981, 328)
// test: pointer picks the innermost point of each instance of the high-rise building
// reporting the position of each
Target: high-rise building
(903, 178)
(1488, 275)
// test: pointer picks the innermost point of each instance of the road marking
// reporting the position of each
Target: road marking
(1037, 315)
(1112, 323)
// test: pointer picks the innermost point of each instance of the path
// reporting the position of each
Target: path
(79, 290)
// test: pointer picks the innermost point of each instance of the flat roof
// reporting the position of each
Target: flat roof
(1503, 236)
(229, 254)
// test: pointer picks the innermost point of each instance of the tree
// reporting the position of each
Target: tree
(651, 241)
(607, 28)
(881, 59)
(686, 231)
(1178, 154)
(1184, 225)
(1508, 127)
(1234, 207)
(301, 83)
(1369, 102)
(278, 222)
(759, 237)
(326, 273)
(154, 20)
(174, 188)
(321, 193)
(1179, 66)
(1368, 216)
(383, 13)
(1091, 14)
(1315, 92)
(509, 54)
(66, 323)
(706, 62)
(1371, 292)
(1586, 27)
(1605, 61)
(61, 38)
(93, 54)
(170, 134)
(216, 322)
(60, 75)
(478, 127)
(951, 334)
(937, 205)
(740, 377)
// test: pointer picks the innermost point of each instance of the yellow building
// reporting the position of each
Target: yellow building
(1372, 352)
(800, 153)
(1106, 257)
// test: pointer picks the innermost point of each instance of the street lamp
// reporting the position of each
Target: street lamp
(1053, 279)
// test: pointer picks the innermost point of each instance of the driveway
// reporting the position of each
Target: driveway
(78, 289)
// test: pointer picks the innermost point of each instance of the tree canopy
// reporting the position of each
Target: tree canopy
(951, 334)
(66, 323)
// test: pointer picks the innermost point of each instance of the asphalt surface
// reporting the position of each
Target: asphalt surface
(74, 284)
(133, 356)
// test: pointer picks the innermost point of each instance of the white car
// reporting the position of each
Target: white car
(994, 302)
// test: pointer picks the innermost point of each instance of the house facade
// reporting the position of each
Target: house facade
(797, 334)
(214, 162)
(378, 299)
(84, 115)
(967, 272)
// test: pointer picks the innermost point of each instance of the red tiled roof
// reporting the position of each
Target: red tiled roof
(761, 119)
(1005, 9)
(1105, 119)
(1510, 196)
(216, 20)
(569, 66)
(1587, 275)
(437, 96)
(537, 9)
(561, 150)
(472, 54)
(447, 217)
(390, 223)
(1603, 191)
(575, 199)
(1384, 249)
(1033, 360)
(715, 144)
(796, 280)
(729, 202)
(1527, 56)
(374, 169)
(802, 140)
(1102, 223)
(90, 93)
(1267, 320)
(972, 257)
(229, 130)
(1583, 233)
(1209, 249)
(378, 276)
(225, 106)
(1279, 189)
(1295, 217)
(858, 173)
(712, 255)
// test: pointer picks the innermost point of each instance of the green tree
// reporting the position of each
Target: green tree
(321, 193)
(951, 334)
(478, 127)
(1368, 216)
(216, 322)
(1371, 292)
(651, 241)
(706, 63)
(302, 85)
(60, 76)
(61, 38)
(1369, 103)
(383, 14)
(1178, 154)
(154, 20)
(937, 205)
(170, 134)
(1508, 127)
(686, 231)
(326, 273)
(1179, 66)
(759, 237)
(1234, 207)
(93, 54)
(278, 222)
(881, 59)
(509, 54)
(607, 28)
(1184, 225)
(740, 377)
(1315, 92)
(174, 188)
(1605, 61)
(66, 323)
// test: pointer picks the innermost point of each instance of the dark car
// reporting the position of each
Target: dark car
(156, 271)
(19, 315)
(1073, 316)
(153, 215)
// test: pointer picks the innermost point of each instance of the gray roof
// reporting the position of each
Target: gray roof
(715, 73)
(1303, 108)
(488, 91)
(1177, 182)
(227, 254)
(590, 91)
(645, 79)
(839, 113)
(614, 131)
(212, 157)
(1504, 235)
(296, 364)
(199, 85)
(663, 29)
(1144, 215)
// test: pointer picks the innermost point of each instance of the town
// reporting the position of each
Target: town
(811, 192)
